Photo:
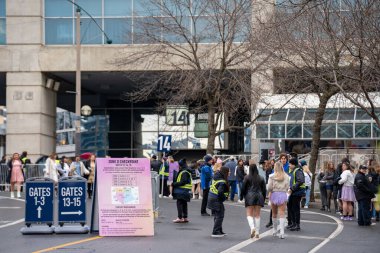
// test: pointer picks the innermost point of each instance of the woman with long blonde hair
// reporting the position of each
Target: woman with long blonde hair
(278, 185)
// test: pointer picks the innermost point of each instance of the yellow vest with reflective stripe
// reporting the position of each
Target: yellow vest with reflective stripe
(186, 186)
(213, 188)
(162, 171)
(24, 159)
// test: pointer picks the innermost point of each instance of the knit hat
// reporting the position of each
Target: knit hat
(182, 163)
(207, 158)
(293, 161)
(303, 163)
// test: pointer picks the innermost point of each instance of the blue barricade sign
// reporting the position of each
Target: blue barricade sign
(72, 200)
(39, 200)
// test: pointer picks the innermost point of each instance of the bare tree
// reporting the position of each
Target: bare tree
(308, 38)
(198, 56)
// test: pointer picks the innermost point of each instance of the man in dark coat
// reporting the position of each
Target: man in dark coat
(364, 192)
(297, 191)
(155, 164)
(181, 191)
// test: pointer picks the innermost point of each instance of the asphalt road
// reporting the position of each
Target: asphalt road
(320, 232)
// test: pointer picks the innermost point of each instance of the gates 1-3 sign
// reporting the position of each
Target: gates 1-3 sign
(72, 200)
(39, 202)
(177, 115)
(164, 143)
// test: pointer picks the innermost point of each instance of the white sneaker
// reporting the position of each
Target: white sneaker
(170, 196)
(306, 207)
(281, 236)
(217, 235)
(18, 195)
(240, 201)
(160, 196)
(12, 195)
(200, 197)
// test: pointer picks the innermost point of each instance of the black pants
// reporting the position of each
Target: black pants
(270, 216)
(294, 212)
(364, 212)
(218, 218)
(323, 192)
(204, 200)
(89, 189)
(182, 208)
(166, 189)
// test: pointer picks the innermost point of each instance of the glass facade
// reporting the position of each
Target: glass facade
(124, 21)
(2, 23)
(338, 123)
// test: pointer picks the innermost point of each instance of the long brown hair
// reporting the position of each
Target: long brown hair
(225, 171)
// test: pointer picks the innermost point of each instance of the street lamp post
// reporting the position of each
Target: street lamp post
(78, 84)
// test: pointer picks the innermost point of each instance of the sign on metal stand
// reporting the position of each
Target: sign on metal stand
(39, 196)
(72, 205)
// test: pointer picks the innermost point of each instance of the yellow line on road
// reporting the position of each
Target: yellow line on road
(68, 244)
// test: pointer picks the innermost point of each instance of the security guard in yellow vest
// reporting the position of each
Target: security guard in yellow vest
(217, 195)
(297, 190)
(181, 191)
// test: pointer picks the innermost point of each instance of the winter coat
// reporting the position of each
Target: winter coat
(275, 185)
(50, 170)
(299, 180)
(240, 173)
(254, 194)
(329, 177)
(181, 193)
(363, 188)
(91, 176)
(347, 178)
(214, 201)
(206, 176)
(155, 165)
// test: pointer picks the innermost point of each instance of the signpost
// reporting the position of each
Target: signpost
(39, 206)
(164, 143)
(177, 115)
(72, 205)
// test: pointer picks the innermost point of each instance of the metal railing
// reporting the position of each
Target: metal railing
(30, 170)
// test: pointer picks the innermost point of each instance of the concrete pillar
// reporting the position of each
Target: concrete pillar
(31, 107)
(31, 112)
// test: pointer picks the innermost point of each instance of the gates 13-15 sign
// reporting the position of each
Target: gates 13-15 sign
(177, 115)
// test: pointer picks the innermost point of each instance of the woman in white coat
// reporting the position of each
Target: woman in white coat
(51, 170)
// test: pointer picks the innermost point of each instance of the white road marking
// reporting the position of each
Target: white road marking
(306, 237)
(334, 234)
(318, 222)
(14, 222)
(10, 207)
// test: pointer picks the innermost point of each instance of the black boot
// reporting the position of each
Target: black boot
(270, 224)
(290, 226)
(295, 228)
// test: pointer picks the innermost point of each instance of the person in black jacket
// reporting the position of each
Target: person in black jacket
(155, 164)
(217, 195)
(254, 193)
(181, 191)
(364, 192)
(297, 191)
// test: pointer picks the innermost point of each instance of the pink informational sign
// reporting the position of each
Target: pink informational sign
(125, 197)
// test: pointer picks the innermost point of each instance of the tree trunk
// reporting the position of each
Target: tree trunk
(211, 127)
(317, 138)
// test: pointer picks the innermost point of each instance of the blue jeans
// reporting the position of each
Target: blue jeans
(307, 197)
(232, 184)
(240, 185)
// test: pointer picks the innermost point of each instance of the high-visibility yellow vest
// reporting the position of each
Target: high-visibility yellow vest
(213, 188)
(162, 171)
(24, 159)
(186, 186)
(302, 186)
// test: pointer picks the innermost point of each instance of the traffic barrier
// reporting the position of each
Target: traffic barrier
(39, 199)
(30, 171)
(155, 192)
(72, 206)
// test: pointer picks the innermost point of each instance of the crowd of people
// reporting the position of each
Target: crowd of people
(54, 168)
(285, 185)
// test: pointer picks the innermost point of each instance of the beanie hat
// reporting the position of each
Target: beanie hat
(207, 158)
(303, 163)
(182, 163)
(293, 161)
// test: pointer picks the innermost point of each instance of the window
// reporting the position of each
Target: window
(262, 131)
(94, 7)
(361, 115)
(90, 32)
(2, 22)
(328, 131)
(58, 8)
(119, 30)
(376, 131)
(279, 115)
(118, 8)
(330, 114)
(363, 130)
(310, 114)
(307, 131)
(58, 31)
(266, 114)
(346, 114)
(345, 131)
(293, 131)
(277, 131)
(295, 114)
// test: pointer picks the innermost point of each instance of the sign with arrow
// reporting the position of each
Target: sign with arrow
(72, 200)
(39, 195)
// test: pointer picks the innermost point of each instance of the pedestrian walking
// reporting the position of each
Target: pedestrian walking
(65, 166)
(51, 168)
(364, 192)
(91, 167)
(231, 165)
(308, 177)
(297, 191)
(278, 185)
(206, 177)
(254, 193)
(181, 191)
(348, 194)
(217, 195)
(268, 172)
(195, 178)
(78, 169)
(15, 174)
(240, 174)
